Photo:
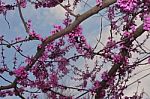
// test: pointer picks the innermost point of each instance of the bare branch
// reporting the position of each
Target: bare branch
(22, 18)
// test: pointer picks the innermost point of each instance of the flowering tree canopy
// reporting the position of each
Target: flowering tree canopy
(99, 70)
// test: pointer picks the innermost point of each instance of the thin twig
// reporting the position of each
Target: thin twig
(22, 18)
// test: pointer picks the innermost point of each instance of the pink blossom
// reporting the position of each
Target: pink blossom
(104, 76)
(58, 27)
(62, 65)
(2, 7)
(86, 75)
(33, 35)
(127, 5)
(21, 73)
(96, 84)
(111, 13)
(3, 69)
(2, 94)
(52, 95)
(78, 40)
(53, 79)
(146, 2)
(111, 43)
(23, 3)
(146, 25)
(126, 34)
(117, 58)
(99, 2)
(18, 39)
(47, 3)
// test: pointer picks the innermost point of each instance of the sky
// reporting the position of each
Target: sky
(43, 19)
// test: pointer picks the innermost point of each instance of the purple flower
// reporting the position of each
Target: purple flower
(23, 3)
(99, 2)
(104, 76)
(127, 34)
(54, 79)
(127, 5)
(117, 58)
(146, 25)
(21, 73)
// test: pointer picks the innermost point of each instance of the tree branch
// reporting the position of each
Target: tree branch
(63, 32)
(6, 87)
(21, 16)
(115, 67)
(68, 29)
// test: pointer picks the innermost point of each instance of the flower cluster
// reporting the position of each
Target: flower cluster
(47, 3)
(2, 7)
(96, 84)
(32, 33)
(127, 34)
(111, 13)
(76, 2)
(146, 2)
(21, 74)
(57, 28)
(146, 25)
(110, 46)
(67, 21)
(23, 3)
(5, 7)
(76, 38)
(127, 5)
(41, 84)
(3, 69)
(117, 58)
(105, 76)
(99, 2)
(53, 79)
(39, 71)
(62, 63)
(6, 93)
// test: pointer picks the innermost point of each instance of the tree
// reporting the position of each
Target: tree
(60, 54)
